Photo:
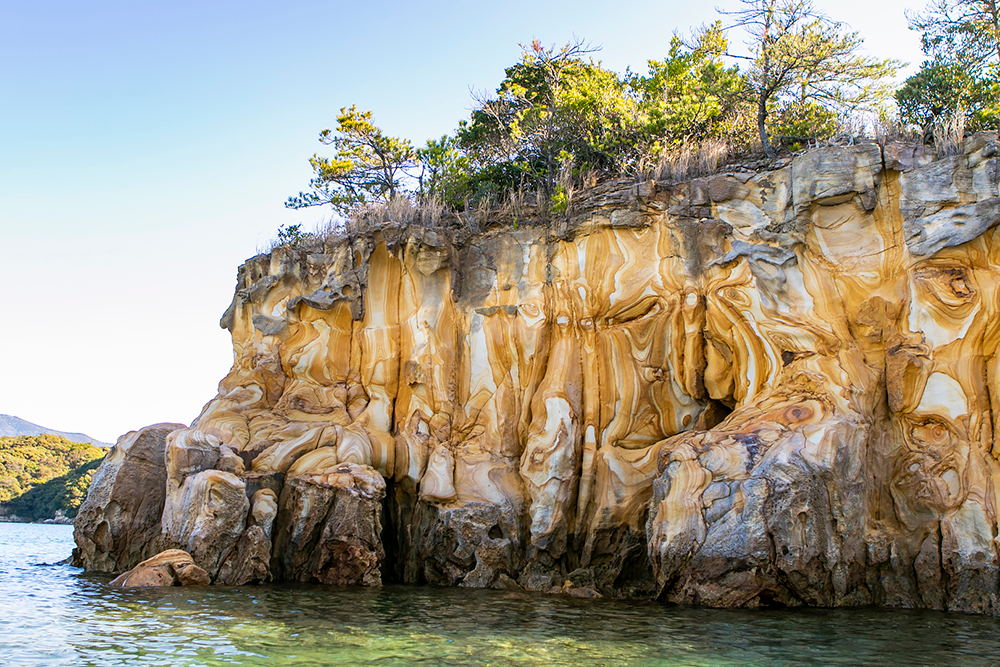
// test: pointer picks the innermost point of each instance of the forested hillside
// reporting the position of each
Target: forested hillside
(40, 474)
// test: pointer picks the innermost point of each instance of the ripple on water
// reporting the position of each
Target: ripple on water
(55, 615)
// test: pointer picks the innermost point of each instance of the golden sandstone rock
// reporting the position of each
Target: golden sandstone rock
(741, 390)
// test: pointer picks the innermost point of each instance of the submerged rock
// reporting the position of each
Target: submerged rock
(167, 568)
(742, 390)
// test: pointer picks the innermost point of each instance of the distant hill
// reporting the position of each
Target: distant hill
(44, 476)
(14, 426)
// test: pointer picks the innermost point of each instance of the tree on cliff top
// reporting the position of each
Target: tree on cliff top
(963, 31)
(558, 118)
(691, 95)
(368, 165)
(944, 91)
(961, 79)
(444, 172)
(798, 56)
(544, 110)
(557, 114)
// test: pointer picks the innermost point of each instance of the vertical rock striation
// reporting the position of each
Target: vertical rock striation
(741, 390)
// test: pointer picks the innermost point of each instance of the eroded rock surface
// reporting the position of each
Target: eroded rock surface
(740, 390)
(118, 524)
(330, 528)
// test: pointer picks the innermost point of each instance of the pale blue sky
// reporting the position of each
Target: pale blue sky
(146, 150)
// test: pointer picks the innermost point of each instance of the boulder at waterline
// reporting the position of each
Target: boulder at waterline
(172, 567)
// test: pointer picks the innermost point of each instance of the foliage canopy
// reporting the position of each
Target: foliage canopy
(806, 65)
(368, 165)
(960, 80)
(560, 118)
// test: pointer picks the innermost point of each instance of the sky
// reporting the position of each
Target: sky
(147, 150)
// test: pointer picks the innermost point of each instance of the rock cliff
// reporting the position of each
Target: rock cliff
(754, 388)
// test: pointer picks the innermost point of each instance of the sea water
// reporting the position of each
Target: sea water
(52, 614)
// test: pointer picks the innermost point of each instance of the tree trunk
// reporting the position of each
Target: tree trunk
(549, 160)
(761, 127)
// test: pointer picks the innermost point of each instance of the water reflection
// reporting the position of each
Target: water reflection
(53, 615)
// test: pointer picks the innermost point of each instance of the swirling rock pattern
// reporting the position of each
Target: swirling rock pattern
(740, 390)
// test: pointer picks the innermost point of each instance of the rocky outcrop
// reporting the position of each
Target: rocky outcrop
(119, 523)
(742, 390)
(167, 568)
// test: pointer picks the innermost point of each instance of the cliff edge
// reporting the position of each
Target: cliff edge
(741, 390)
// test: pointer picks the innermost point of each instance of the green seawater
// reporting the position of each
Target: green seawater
(55, 615)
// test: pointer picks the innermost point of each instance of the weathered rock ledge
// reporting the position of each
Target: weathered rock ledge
(750, 389)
